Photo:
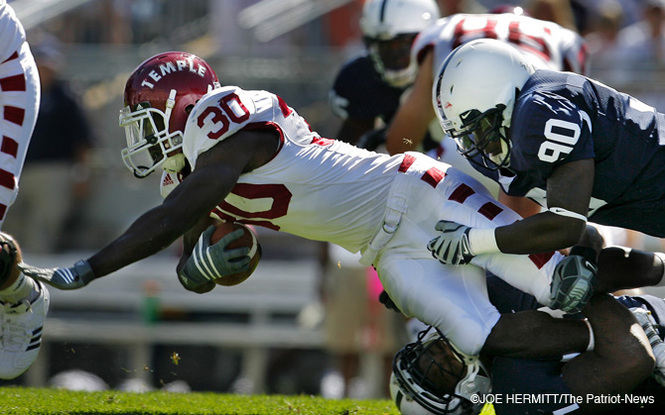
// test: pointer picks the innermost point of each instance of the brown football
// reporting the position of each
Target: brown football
(249, 239)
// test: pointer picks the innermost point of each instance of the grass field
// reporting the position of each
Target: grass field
(24, 401)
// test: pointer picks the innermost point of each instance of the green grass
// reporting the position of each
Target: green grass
(34, 401)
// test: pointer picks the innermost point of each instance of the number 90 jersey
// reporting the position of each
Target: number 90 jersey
(313, 187)
(561, 117)
(553, 46)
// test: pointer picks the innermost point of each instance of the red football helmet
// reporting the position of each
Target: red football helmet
(158, 97)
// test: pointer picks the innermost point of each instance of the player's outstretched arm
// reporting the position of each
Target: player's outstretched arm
(216, 173)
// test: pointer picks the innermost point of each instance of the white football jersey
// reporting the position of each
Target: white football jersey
(554, 46)
(11, 31)
(298, 191)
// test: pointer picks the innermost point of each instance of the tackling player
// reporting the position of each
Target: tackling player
(247, 156)
(23, 301)
(580, 148)
(429, 374)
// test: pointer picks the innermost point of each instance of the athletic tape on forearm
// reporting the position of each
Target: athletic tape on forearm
(567, 213)
(482, 241)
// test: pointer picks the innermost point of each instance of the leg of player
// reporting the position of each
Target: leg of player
(621, 358)
(23, 306)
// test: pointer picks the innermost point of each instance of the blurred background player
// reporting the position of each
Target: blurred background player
(367, 90)
(23, 301)
(365, 95)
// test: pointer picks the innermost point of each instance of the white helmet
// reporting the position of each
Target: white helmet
(431, 377)
(474, 96)
(389, 28)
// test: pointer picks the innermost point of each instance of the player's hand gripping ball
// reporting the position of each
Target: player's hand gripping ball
(249, 240)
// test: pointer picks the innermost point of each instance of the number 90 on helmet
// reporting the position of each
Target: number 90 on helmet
(158, 97)
(431, 377)
(474, 94)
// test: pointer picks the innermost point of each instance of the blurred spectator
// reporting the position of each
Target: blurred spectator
(643, 42)
(602, 42)
(54, 182)
(557, 11)
(449, 7)
(356, 325)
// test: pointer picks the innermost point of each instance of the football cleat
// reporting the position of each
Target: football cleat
(21, 327)
(572, 284)
(649, 325)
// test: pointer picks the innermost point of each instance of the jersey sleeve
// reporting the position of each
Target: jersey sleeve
(217, 116)
(547, 131)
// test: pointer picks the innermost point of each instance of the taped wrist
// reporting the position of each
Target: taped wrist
(482, 241)
(84, 271)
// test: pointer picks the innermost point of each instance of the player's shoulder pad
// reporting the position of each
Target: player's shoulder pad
(218, 115)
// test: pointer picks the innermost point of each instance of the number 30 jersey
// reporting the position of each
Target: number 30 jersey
(561, 117)
(313, 187)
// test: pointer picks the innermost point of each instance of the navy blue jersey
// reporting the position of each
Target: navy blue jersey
(561, 117)
(360, 93)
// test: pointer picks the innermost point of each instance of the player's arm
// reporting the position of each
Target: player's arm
(353, 128)
(409, 125)
(525, 207)
(569, 190)
(561, 226)
(215, 175)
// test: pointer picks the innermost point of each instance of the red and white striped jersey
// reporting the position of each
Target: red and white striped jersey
(314, 187)
(11, 32)
(554, 46)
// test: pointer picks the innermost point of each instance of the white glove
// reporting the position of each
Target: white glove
(62, 278)
(210, 262)
(452, 246)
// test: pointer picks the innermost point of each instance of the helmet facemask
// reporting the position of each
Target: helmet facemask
(439, 378)
(392, 58)
(149, 143)
(483, 136)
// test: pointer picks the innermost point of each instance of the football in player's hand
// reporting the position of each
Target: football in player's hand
(249, 239)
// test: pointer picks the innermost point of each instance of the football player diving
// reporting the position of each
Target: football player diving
(247, 156)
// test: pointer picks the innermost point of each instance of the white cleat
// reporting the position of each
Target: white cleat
(649, 325)
(21, 327)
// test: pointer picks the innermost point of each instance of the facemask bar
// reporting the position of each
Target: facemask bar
(149, 143)
(480, 135)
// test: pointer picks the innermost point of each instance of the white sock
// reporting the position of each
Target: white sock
(22, 289)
